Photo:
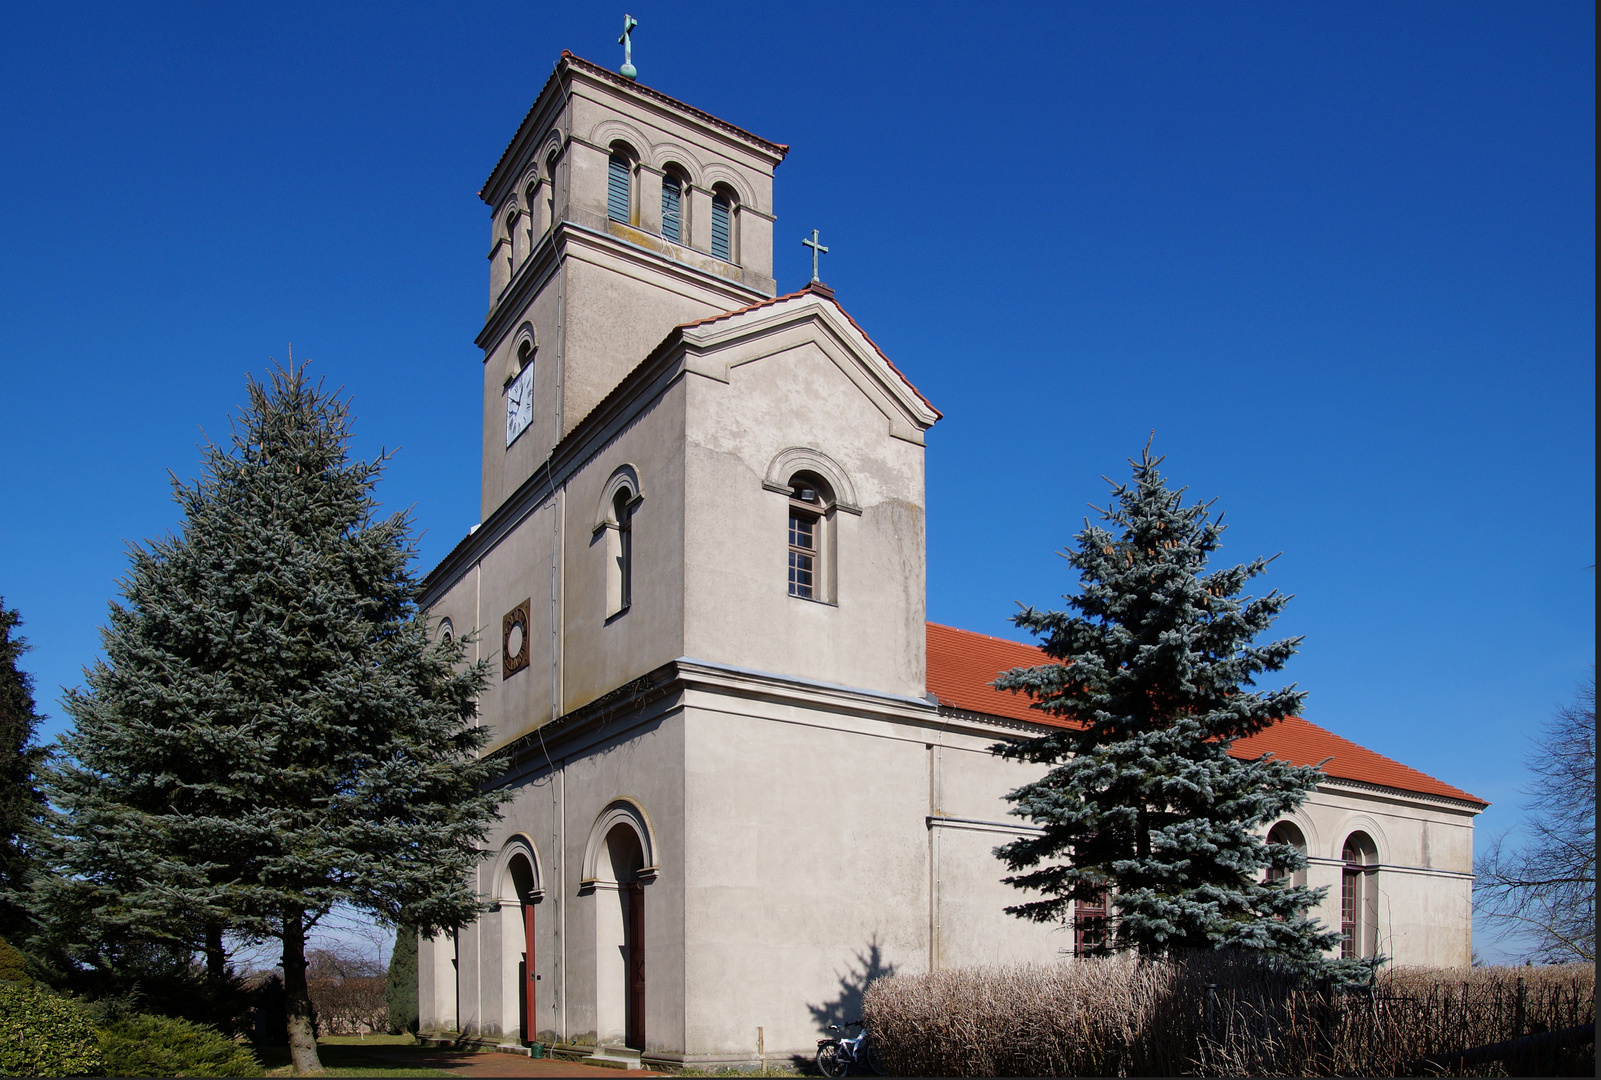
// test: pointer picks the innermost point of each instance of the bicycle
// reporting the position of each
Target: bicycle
(835, 1056)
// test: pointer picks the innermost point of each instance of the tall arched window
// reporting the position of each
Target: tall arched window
(1286, 833)
(550, 191)
(811, 506)
(672, 208)
(620, 554)
(722, 226)
(531, 199)
(1359, 897)
(619, 173)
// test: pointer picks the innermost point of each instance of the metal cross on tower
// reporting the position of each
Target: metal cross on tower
(628, 70)
(817, 249)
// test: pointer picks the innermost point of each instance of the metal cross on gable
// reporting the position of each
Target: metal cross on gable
(817, 249)
(628, 70)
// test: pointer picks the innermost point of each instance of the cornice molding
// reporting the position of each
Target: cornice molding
(566, 735)
(1443, 802)
(551, 249)
(1332, 784)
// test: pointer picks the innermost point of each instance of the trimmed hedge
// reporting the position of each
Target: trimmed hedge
(145, 1045)
(43, 1034)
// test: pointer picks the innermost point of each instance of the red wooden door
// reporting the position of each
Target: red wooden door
(636, 966)
(530, 1025)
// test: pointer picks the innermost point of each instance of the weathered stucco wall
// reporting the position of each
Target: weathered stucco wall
(786, 391)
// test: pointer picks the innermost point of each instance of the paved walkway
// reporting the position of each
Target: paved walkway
(471, 1063)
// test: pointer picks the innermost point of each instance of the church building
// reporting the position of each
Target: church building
(747, 773)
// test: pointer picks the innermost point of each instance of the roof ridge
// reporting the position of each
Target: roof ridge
(959, 678)
(573, 60)
(978, 633)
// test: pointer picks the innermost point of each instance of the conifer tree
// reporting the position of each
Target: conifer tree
(21, 801)
(1143, 805)
(272, 733)
(400, 987)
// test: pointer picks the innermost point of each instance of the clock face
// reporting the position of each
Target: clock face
(519, 403)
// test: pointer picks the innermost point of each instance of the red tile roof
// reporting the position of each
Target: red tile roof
(962, 664)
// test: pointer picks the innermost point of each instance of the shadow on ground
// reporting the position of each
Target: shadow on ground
(375, 1055)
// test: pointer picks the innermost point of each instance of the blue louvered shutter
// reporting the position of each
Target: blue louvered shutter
(720, 224)
(617, 189)
(672, 201)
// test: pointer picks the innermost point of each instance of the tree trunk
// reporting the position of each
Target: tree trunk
(297, 1002)
(216, 958)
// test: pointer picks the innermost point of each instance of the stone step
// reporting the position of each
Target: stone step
(614, 1057)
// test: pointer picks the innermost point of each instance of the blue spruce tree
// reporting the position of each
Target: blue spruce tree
(21, 801)
(1143, 805)
(272, 733)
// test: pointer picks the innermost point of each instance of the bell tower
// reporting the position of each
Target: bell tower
(617, 213)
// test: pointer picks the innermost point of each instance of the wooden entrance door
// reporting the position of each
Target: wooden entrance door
(636, 965)
(530, 1023)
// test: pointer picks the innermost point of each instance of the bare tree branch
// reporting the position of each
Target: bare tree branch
(1548, 887)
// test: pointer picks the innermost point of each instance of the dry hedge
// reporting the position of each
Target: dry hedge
(350, 1006)
(1217, 1014)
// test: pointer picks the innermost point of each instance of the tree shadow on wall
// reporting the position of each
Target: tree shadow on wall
(867, 968)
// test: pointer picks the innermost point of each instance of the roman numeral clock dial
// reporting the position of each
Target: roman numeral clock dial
(519, 403)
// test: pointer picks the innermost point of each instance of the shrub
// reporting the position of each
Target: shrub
(1222, 1014)
(352, 1006)
(43, 1034)
(13, 968)
(145, 1045)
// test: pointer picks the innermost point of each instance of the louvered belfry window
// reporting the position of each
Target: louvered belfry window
(721, 227)
(672, 208)
(617, 189)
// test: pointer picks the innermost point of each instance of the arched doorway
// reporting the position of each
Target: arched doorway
(517, 929)
(620, 939)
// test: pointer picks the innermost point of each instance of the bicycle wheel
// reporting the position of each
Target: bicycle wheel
(869, 1053)
(831, 1061)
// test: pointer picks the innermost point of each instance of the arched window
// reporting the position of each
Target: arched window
(619, 188)
(722, 225)
(550, 191)
(1089, 926)
(672, 208)
(1359, 897)
(531, 199)
(518, 361)
(447, 630)
(811, 506)
(1288, 834)
(514, 251)
(620, 554)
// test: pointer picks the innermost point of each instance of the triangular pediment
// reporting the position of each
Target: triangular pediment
(717, 346)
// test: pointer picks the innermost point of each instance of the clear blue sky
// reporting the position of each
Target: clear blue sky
(1340, 257)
